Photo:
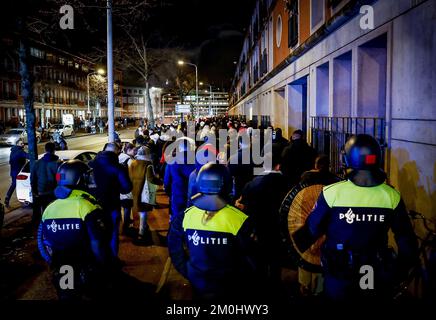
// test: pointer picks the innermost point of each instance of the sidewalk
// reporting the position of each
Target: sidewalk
(148, 267)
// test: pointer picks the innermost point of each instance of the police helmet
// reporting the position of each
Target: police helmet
(214, 184)
(362, 154)
(73, 173)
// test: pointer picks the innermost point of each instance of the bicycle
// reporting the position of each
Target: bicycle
(421, 280)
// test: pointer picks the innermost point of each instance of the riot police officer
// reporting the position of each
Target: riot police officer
(355, 216)
(217, 236)
(71, 232)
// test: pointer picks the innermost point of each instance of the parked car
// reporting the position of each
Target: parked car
(11, 136)
(24, 191)
(64, 129)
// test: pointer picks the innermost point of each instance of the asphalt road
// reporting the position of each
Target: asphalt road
(88, 142)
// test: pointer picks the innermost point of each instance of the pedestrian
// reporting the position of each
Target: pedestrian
(141, 172)
(59, 140)
(17, 160)
(217, 236)
(261, 200)
(72, 234)
(112, 179)
(355, 216)
(321, 173)
(125, 158)
(240, 164)
(182, 163)
(43, 181)
(297, 158)
(279, 140)
(101, 125)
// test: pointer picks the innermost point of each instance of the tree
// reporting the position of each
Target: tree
(31, 19)
(98, 89)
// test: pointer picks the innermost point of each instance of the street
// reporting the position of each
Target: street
(79, 142)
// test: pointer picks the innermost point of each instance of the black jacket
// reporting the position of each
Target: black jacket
(43, 177)
(111, 178)
(297, 158)
(240, 171)
(17, 160)
(262, 198)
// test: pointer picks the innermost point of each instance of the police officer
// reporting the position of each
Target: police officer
(355, 215)
(72, 232)
(217, 236)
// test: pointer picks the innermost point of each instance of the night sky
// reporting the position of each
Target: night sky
(211, 31)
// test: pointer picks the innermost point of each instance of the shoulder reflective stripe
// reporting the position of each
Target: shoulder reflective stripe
(228, 219)
(86, 196)
(71, 207)
(347, 194)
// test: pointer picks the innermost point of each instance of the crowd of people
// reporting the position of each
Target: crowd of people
(224, 234)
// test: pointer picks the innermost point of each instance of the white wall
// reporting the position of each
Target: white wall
(413, 135)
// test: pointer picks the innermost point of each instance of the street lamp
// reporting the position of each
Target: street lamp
(181, 62)
(99, 71)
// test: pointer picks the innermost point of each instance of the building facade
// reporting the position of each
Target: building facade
(335, 68)
(210, 102)
(60, 85)
(135, 102)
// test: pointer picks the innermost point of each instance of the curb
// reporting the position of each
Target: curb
(15, 215)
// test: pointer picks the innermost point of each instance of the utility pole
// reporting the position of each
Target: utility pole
(110, 75)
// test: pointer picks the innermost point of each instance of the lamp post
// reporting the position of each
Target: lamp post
(100, 72)
(163, 103)
(181, 62)
(210, 97)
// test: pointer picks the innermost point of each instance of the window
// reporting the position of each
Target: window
(37, 53)
(279, 31)
(76, 65)
(140, 91)
(50, 57)
(70, 63)
(85, 68)
(135, 91)
(293, 24)
(61, 61)
(130, 90)
(124, 90)
(316, 13)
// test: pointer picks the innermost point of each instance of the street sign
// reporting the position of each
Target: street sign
(183, 108)
(68, 119)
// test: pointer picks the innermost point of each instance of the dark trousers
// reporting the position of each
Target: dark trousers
(112, 222)
(11, 189)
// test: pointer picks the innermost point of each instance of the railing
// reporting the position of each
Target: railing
(329, 135)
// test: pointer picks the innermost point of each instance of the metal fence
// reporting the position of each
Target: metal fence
(329, 135)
